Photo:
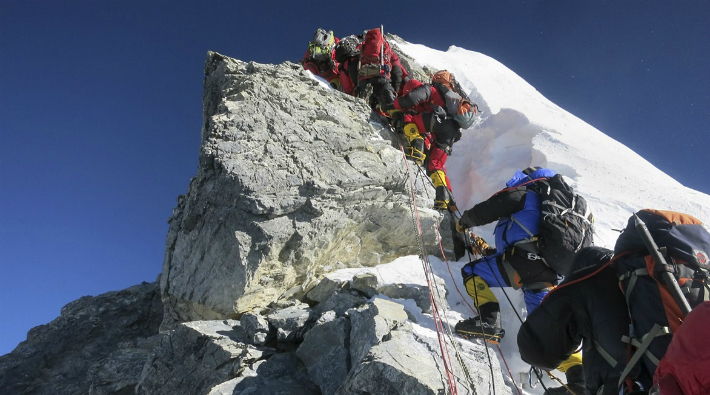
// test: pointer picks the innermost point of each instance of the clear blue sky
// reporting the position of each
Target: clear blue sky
(100, 109)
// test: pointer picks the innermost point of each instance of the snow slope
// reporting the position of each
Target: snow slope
(520, 128)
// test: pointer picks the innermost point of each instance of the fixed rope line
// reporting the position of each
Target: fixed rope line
(439, 322)
(450, 374)
(478, 313)
(510, 302)
(475, 310)
(512, 306)
(429, 270)
(432, 286)
(490, 364)
(449, 332)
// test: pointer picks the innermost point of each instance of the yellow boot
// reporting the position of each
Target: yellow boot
(487, 325)
(443, 199)
(415, 151)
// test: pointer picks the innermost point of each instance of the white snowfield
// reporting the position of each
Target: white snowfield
(520, 128)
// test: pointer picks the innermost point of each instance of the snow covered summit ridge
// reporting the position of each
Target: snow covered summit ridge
(519, 128)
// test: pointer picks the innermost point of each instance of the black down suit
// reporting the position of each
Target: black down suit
(582, 309)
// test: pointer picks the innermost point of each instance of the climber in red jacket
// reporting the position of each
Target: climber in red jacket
(319, 58)
(685, 368)
(420, 115)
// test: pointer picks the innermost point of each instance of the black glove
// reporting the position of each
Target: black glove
(397, 121)
(374, 102)
(461, 228)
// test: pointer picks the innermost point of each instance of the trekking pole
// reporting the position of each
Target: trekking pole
(660, 261)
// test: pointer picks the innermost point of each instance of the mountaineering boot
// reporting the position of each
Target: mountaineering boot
(415, 151)
(416, 143)
(575, 383)
(443, 199)
(475, 328)
(486, 326)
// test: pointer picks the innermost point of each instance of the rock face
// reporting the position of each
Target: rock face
(294, 181)
(108, 345)
(197, 355)
(97, 346)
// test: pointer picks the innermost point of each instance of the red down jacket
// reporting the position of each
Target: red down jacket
(685, 368)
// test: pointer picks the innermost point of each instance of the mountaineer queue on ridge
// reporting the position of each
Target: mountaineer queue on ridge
(429, 115)
(610, 320)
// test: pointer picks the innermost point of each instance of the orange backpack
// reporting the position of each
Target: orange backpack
(662, 263)
(458, 105)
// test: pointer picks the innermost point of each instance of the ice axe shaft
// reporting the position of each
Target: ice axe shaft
(660, 261)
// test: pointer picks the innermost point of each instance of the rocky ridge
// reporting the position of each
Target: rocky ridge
(294, 181)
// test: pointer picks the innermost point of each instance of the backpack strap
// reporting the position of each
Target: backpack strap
(634, 275)
(607, 357)
(565, 210)
(642, 349)
(523, 227)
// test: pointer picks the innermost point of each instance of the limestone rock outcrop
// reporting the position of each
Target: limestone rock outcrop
(294, 181)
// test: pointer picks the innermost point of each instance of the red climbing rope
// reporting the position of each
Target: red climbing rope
(450, 374)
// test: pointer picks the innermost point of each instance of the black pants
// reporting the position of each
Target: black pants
(382, 91)
(446, 131)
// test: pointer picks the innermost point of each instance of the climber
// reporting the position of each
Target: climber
(398, 75)
(377, 70)
(530, 253)
(419, 115)
(347, 55)
(592, 312)
(514, 262)
(629, 311)
(685, 368)
(319, 58)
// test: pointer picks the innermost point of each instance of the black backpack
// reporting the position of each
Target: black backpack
(661, 259)
(565, 225)
(347, 48)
